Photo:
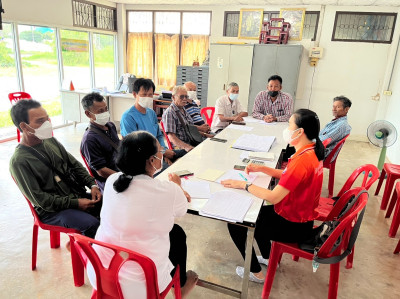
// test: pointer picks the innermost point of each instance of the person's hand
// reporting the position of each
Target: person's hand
(238, 118)
(268, 118)
(204, 128)
(96, 194)
(173, 177)
(85, 203)
(189, 199)
(168, 161)
(253, 168)
(234, 184)
(209, 135)
(188, 148)
(169, 154)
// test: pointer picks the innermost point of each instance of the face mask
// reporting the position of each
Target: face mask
(192, 94)
(102, 118)
(287, 135)
(146, 102)
(45, 131)
(233, 96)
(157, 170)
(273, 94)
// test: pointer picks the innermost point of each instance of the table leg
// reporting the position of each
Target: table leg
(247, 262)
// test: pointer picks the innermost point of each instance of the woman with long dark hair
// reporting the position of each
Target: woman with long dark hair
(294, 201)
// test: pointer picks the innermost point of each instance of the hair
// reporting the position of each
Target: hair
(345, 101)
(135, 149)
(232, 84)
(308, 120)
(88, 100)
(275, 77)
(178, 88)
(189, 82)
(147, 84)
(20, 111)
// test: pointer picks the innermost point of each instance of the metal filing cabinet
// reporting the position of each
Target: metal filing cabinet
(196, 74)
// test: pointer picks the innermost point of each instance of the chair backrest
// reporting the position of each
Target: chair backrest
(208, 113)
(166, 136)
(16, 96)
(107, 278)
(326, 142)
(345, 227)
(334, 153)
(342, 202)
(371, 174)
(86, 163)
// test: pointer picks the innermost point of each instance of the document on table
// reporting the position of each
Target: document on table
(210, 174)
(249, 119)
(259, 156)
(197, 189)
(234, 174)
(239, 127)
(227, 205)
(255, 143)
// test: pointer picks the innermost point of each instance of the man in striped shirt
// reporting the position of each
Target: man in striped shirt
(273, 105)
(193, 109)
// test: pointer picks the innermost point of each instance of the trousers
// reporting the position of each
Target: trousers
(178, 251)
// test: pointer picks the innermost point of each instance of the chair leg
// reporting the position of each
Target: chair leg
(334, 281)
(274, 258)
(94, 294)
(77, 265)
(392, 203)
(397, 250)
(54, 239)
(34, 245)
(381, 178)
(350, 257)
(386, 193)
(396, 221)
(331, 179)
(295, 258)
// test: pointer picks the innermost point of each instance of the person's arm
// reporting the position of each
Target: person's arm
(275, 173)
(203, 128)
(128, 124)
(181, 197)
(105, 172)
(258, 111)
(179, 143)
(287, 109)
(94, 156)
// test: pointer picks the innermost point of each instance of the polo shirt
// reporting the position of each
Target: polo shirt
(194, 112)
(172, 122)
(226, 108)
(303, 178)
(98, 152)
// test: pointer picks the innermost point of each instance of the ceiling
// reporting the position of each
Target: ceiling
(265, 2)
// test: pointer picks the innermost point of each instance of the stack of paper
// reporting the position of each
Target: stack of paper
(255, 143)
(263, 156)
(239, 127)
(227, 205)
(197, 189)
(239, 175)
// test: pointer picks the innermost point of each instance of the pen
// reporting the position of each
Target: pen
(243, 177)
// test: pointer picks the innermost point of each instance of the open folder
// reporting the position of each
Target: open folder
(255, 143)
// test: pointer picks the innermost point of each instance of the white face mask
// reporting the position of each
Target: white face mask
(146, 102)
(157, 170)
(102, 118)
(287, 135)
(233, 96)
(45, 131)
(192, 94)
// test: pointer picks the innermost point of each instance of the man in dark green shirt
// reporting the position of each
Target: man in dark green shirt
(50, 177)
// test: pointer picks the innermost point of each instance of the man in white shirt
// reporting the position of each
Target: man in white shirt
(228, 109)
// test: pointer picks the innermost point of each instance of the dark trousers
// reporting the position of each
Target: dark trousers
(178, 251)
(178, 154)
(269, 227)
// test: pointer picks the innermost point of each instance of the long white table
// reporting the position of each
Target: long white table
(217, 155)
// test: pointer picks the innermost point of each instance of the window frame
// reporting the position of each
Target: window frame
(94, 20)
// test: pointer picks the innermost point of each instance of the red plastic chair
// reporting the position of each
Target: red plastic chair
(397, 249)
(107, 282)
(15, 97)
(393, 173)
(344, 228)
(166, 136)
(330, 163)
(396, 217)
(86, 163)
(55, 231)
(208, 113)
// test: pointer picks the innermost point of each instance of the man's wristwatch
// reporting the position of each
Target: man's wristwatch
(247, 186)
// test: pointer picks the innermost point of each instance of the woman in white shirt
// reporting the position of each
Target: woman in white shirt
(138, 213)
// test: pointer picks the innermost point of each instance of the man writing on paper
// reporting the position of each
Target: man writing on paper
(272, 104)
(228, 109)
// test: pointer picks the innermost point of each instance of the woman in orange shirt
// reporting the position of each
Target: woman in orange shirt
(293, 201)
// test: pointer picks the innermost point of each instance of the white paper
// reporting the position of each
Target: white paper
(258, 156)
(249, 119)
(255, 143)
(227, 205)
(234, 174)
(197, 189)
(239, 127)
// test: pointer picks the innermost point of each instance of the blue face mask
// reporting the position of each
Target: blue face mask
(233, 96)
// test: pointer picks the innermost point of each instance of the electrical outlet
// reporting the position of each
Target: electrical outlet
(387, 92)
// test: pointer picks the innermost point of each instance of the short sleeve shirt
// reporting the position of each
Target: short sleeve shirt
(172, 123)
(194, 111)
(281, 108)
(227, 108)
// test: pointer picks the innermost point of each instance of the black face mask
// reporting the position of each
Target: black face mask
(273, 94)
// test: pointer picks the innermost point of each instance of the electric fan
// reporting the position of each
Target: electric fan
(382, 133)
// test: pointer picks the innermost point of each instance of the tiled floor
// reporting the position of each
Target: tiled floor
(376, 271)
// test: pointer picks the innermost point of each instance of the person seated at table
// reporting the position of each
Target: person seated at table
(138, 214)
(140, 117)
(49, 176)
(273, 105)
(193, 109)
(294, 200)
(192, 92)
(228, 109)
(100, 141)
(337, 128)
(172, 123)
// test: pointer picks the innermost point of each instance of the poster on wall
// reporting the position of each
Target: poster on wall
(250, 23)
(294, 16)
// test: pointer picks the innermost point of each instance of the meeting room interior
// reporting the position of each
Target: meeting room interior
(195, 142)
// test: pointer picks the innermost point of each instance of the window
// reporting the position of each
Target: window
(168, 22)
(140, 21)
(364, 27)
(92, 15)
(103, 57)
(231, 23)
(310, 25)
(196, 23)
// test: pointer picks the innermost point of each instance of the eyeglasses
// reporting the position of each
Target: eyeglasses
(182, 96)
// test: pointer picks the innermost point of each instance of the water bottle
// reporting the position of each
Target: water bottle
(315, 264)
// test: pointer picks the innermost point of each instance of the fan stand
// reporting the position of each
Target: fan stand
(382, 157)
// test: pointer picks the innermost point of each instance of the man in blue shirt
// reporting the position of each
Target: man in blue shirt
(142, 117)
(338, 128)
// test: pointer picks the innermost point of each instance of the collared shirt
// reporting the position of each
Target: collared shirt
(98, 152)
(172, 123)
(194, 112)
(303, 177)
(337, 129)
(226, 108)
(133, 120)
(282, 108)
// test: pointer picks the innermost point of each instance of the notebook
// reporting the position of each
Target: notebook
(254, 143)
